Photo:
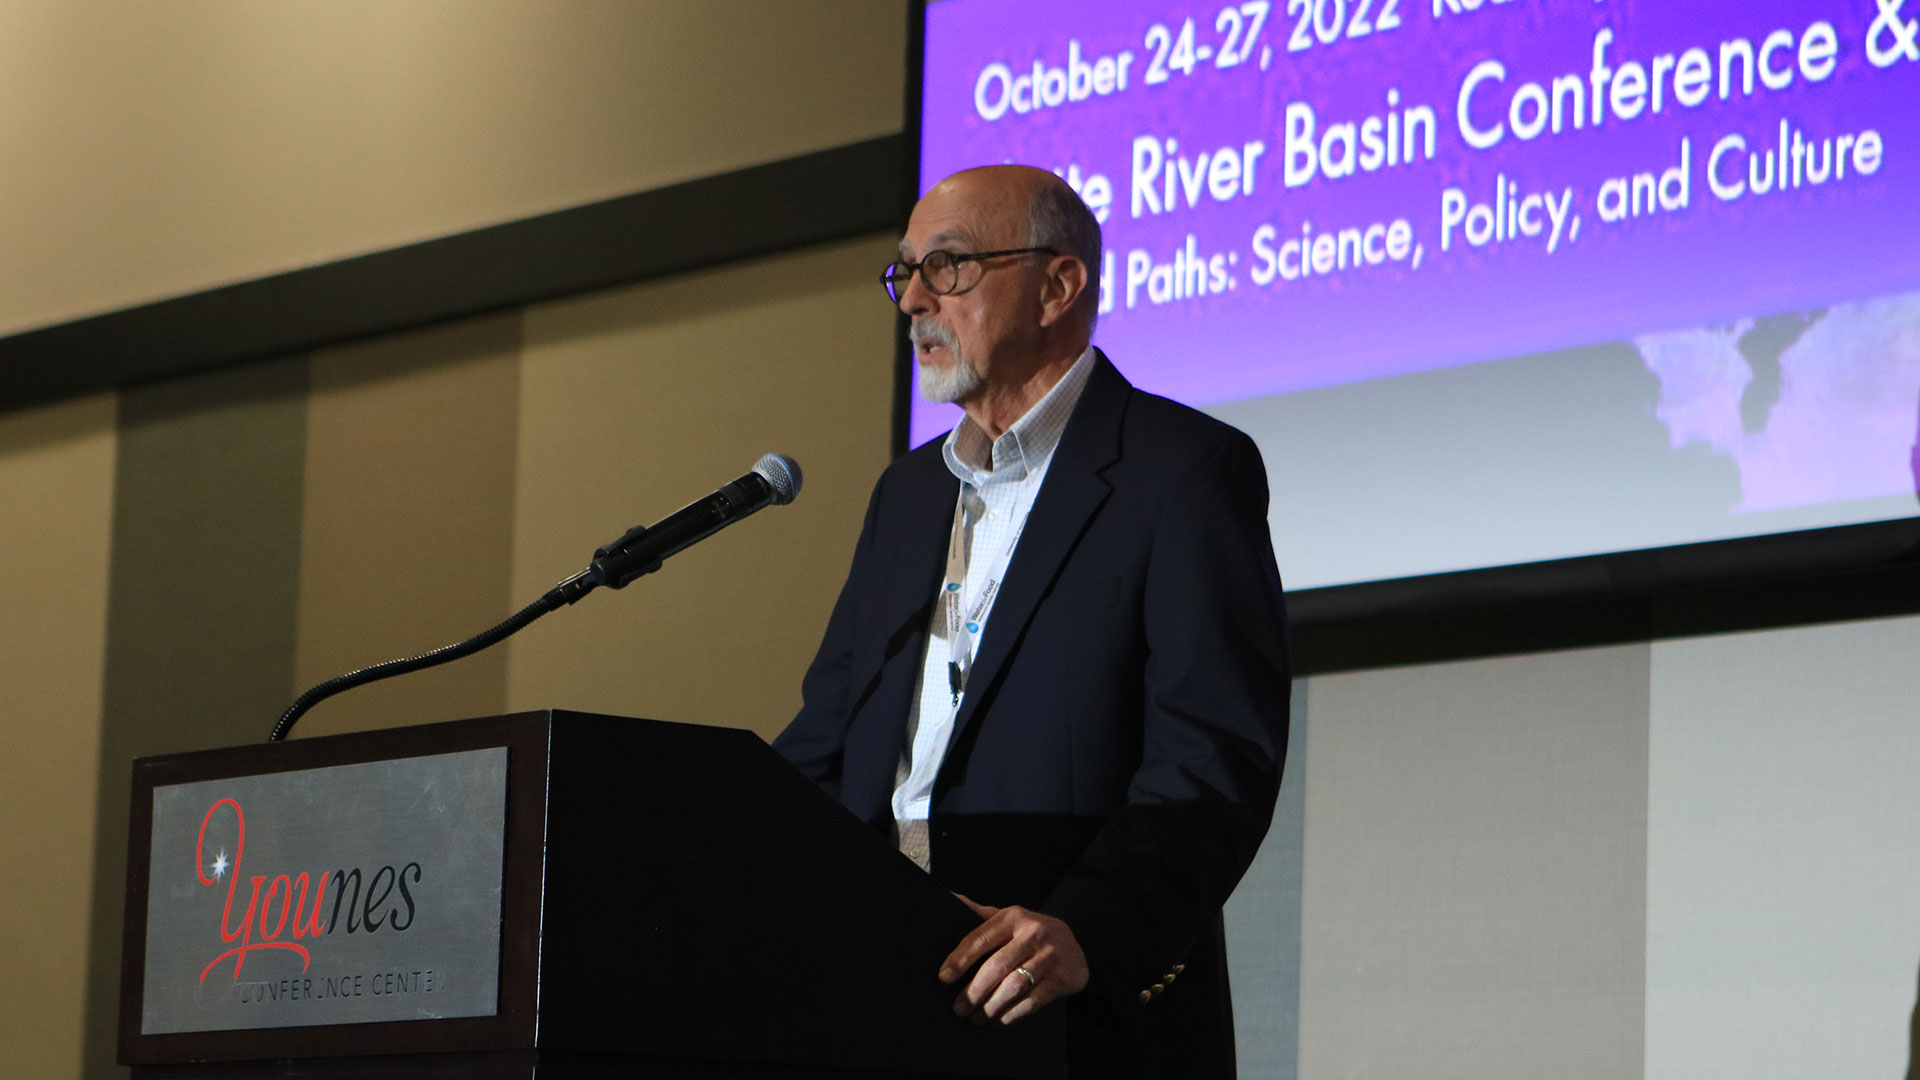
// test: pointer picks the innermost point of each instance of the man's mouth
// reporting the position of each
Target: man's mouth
(927, 337)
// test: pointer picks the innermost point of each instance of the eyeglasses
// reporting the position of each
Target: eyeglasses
(940, 270)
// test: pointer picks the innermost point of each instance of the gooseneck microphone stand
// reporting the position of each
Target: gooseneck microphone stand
(774, 481)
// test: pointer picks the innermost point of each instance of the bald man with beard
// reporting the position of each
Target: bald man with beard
(1057, 675)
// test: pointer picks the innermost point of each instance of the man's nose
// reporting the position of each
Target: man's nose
(915, 297)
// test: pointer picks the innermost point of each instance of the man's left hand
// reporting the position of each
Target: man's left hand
(1013, 939)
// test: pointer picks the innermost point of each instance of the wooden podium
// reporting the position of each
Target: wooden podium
(555, 894)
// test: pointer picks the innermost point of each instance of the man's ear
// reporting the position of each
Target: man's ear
(1066, 281)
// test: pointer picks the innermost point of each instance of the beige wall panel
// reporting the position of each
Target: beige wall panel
(638, 401)
(1783, 854)
(200, 606)
(407, 532)
(148, 150)
(1475, 870)
(56, 510)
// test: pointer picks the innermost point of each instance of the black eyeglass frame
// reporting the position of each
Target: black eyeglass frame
(895, 277)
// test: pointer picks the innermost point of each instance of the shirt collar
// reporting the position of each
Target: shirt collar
(1026, 446)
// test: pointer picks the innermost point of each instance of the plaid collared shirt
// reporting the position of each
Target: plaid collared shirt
(994, 504)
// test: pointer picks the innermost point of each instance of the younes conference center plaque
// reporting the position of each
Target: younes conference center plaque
(349, 894)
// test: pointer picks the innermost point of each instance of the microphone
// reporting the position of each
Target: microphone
(774, 481)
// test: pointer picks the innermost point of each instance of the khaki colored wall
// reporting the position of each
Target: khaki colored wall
(201, 605)
(56, 485)
(407, 530)
(149, 150)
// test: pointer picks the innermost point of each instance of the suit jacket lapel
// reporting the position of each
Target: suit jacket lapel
(912, 581)
(922, 559)
(1072, 493)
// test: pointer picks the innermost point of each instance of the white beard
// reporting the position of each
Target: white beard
(952, 383)
(948, 384)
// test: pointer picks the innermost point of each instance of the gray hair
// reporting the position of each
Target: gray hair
(1057, 219)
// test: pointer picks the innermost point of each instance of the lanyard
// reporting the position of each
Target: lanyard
(966, 616)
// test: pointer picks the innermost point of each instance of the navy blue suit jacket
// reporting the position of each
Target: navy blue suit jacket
(1117, 755)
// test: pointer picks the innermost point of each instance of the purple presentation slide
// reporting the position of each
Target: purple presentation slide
(1307, 194)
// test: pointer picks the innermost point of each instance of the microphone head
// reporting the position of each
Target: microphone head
(782, 474)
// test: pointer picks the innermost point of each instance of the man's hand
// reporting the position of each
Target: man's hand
(1012, 939)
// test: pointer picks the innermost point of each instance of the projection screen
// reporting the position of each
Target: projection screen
(1489, 282)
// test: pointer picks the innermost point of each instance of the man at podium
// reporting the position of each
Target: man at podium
(1057, 674)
